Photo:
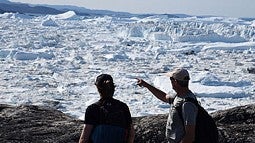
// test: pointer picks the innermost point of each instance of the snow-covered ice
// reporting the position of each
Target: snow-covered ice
(53, 60)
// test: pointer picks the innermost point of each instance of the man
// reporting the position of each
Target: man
(178, 129)
(108, 120)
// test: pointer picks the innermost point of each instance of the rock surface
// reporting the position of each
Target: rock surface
(236, 125)
(35, 124)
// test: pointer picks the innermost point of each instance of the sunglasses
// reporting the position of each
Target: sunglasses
(172, 79)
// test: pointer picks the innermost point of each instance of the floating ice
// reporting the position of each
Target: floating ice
(49, 22)
(56, 64)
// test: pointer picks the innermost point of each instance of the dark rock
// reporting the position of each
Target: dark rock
(36, 124)
(251, 70)
(190, 52)
(236, 125)
(150, 129)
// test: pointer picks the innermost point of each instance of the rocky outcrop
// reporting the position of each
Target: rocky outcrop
(35, 124)
(236, 125)
(150, 129)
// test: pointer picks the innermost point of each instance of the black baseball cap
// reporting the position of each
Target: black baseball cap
(103, 78)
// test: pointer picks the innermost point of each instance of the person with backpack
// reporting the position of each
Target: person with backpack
(185, 113)
(107, 120)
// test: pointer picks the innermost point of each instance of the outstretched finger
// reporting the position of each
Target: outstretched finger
(139, 82)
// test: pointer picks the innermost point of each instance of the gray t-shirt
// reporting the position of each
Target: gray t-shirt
(174, 129)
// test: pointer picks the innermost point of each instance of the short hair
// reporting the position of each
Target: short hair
(105, 85)
(183, 83)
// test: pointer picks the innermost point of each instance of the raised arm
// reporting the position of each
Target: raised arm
(155, 91)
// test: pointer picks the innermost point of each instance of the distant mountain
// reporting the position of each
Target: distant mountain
(4, 1)
(7, 6)
(1, 11)
(85, 11)
(25, 8)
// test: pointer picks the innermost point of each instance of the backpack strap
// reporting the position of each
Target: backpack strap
(192, 100)
(179, 107)
(206, 129)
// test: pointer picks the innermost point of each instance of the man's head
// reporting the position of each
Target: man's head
(105, 85)
(180, 75)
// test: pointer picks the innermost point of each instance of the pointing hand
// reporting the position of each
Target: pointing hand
(140, 82)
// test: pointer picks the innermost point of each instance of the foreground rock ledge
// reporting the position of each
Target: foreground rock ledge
(36, 124)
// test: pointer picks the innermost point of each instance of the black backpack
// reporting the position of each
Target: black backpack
(206, 129)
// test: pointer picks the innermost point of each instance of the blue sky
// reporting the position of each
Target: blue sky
(230, 8)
